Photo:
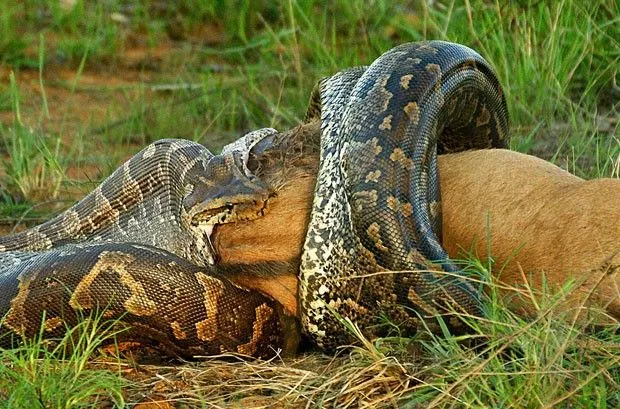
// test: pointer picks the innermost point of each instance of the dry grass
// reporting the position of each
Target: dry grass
(538, 364)
(311, 380)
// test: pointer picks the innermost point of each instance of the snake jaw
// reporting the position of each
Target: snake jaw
(233, 210)
(203, 218)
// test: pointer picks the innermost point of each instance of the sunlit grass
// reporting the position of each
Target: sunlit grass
(32, 168)
(40, 374)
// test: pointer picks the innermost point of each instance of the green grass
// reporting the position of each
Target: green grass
(557, 62)
(548, 361)
(77, 99)
(32, 168)
(42, 375)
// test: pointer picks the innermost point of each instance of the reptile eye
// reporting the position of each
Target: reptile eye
(229, 206)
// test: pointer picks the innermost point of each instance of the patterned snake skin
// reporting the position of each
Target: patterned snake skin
(164, 300)
(169, 195)
(138, 247)
(377, 205)
(140, 243)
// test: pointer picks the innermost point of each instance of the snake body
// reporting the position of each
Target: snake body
(139, 245)
(377, 205)
(169, 195)
(163, 300)
(138, 249)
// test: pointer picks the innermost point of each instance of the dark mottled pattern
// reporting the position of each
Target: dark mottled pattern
(161, 299)
(138, 246)
(377, 204)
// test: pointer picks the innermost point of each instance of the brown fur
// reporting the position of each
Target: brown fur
(544, 222)
(291, 170)
(276, 236)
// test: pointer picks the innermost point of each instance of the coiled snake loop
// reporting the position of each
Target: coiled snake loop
(377, 205)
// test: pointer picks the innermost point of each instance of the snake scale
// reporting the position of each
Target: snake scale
(138, 247)
(142, 239)
(377, 204)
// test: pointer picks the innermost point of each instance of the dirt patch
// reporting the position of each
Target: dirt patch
(76, 108)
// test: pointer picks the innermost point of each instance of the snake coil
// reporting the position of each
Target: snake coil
(377, 205)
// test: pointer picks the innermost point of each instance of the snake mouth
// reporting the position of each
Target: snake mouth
(231, 212)
(203, 221)
(213, 215)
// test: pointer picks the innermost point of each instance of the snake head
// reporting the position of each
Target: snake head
(226, 192)
(223, 191)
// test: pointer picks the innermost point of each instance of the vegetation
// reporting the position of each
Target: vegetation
(83, 85)
(44, 374)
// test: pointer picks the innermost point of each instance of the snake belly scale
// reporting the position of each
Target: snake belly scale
(377, 205)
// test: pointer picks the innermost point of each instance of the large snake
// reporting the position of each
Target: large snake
(138, 249)
(163, 300)
(376, 208)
